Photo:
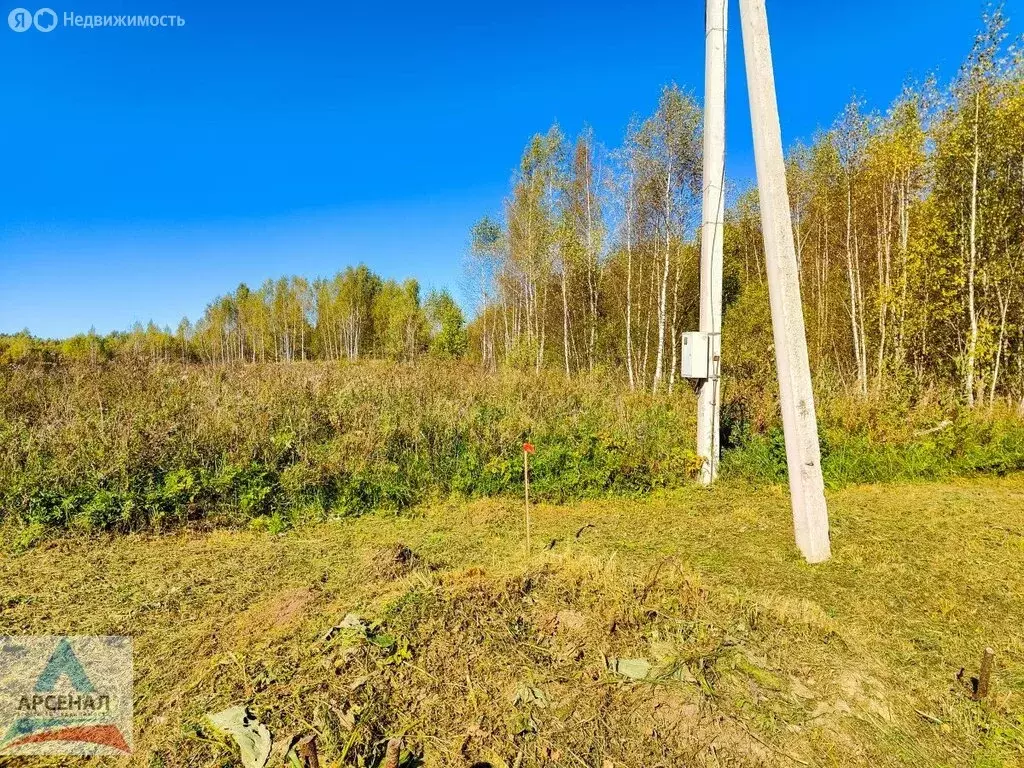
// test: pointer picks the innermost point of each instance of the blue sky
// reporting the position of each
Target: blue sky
(147, 170)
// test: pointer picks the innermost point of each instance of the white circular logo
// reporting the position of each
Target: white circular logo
(45, 20)
(20, 19)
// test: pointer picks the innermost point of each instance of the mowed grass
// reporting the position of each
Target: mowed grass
(476, 654)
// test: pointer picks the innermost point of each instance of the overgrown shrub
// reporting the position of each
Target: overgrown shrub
(126, 447)
(122, 447)
(877, 440)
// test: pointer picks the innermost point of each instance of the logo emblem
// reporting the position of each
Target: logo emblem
(65, 696)
(20, 20)
(45, 20)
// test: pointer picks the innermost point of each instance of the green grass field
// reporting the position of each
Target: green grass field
(477, 654)
(130, 448)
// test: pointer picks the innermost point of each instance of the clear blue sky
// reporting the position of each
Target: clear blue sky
(147, 170)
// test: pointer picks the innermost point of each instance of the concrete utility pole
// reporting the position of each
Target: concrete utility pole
(799, 421)
(709, 400)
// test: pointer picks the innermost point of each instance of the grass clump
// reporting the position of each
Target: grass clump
(128, 447)
(882, 440)
(133, 446)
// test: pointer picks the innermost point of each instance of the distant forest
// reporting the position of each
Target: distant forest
(910, 238)
(356, 314)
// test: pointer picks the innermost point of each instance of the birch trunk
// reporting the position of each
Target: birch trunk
(565, 315)
(663, 299)
(851, 279)
(972, 344)
(629, 289)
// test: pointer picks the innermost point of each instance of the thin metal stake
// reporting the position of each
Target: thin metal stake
(526, 483)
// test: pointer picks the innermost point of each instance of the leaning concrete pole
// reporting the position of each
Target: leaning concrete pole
(803, 452)
(709, 400)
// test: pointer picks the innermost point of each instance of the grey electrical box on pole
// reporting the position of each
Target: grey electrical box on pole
(711, 248)
(696, 356)
(799, 421)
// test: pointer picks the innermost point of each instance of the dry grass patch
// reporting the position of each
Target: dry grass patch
(679, 630)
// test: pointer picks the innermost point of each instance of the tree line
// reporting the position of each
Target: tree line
(354, 314)
(909, 229)
(595, 261)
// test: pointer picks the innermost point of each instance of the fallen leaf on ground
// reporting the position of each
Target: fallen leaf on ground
(252, 737)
